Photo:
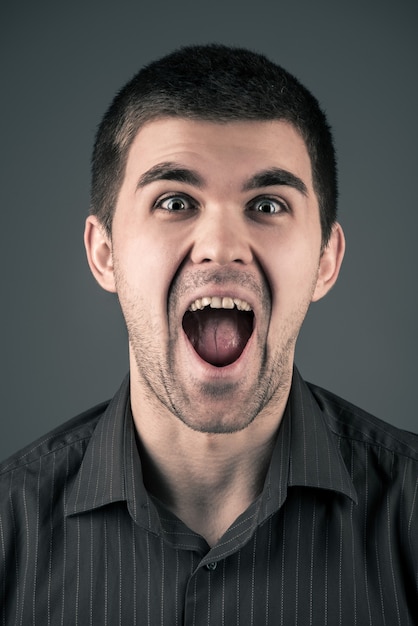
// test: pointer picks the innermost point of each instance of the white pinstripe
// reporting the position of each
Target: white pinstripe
(27, 544)
(312, 565)
(134, 578)
(106, 570)
(91, 568)
(282, 571)
(77, 590)
(64, 560)
(365, 533)
(253, 579)
(120, 568)
(353, 547)
(3, 551)
(326, 573)
(238, 588)
(35, 564)
(162, 581)
(209, 598)
(268, 571)
(379, 578)
(297, 561)
(148, 582)
(223, 595)
(391, 560)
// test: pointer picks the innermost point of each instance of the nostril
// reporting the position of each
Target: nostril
(221, 253)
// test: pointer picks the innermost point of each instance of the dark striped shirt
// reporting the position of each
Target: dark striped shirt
(333, 538)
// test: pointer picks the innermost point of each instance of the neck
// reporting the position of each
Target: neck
(207, 480)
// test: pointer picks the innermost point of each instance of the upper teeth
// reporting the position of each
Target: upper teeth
(216, 302)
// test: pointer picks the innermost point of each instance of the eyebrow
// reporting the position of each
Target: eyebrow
(170, 171)
(275, 176)
(266, 178)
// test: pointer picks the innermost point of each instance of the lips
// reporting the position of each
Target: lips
(219, 328)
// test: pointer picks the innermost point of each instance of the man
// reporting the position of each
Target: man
(217, 487)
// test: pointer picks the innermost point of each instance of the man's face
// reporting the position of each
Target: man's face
(215, 257)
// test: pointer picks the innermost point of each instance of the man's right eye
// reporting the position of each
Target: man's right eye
(175, 203)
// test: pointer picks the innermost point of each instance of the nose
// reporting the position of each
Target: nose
(221, 237)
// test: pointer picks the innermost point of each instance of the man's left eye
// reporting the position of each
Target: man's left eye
(268, 205)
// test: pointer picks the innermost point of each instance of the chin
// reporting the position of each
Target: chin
(219, 425)
(223, 411)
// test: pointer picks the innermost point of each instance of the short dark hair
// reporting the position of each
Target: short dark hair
(212, 83)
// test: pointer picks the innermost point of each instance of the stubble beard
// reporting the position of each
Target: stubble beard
(207, 408)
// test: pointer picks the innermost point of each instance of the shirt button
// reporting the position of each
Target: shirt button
(211, 566)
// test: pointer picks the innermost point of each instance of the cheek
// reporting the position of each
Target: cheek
(145, 267)
(291, 270)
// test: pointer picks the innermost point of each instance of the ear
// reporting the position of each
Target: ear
(330, 263)
(99, 253)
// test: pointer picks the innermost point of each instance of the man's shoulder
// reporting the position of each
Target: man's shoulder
(349, 421)
(74, 432)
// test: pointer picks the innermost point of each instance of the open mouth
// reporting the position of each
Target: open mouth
(219, 328)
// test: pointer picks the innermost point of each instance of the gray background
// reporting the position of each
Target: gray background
(63, 339)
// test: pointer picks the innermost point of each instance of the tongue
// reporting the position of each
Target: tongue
(219, 336)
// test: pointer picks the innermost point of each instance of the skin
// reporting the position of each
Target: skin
(206, 433)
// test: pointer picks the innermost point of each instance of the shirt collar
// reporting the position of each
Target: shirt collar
(306, 455)
(100, 478)
(315, 459)
(111, 468)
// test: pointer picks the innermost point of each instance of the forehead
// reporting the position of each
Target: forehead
(233, 148)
